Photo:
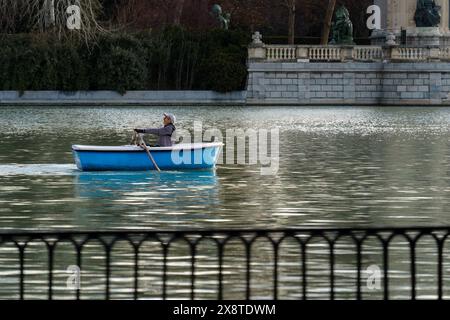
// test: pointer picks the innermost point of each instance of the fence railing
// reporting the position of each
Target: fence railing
(367, 53)
(410, 54)
(279, 273)
(334, 53)
(322, 53)
(276, 53)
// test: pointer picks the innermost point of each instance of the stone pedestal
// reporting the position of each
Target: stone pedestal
(398, 15)
(418, 37)
(380, 37)
(256, 50)
(424, 37)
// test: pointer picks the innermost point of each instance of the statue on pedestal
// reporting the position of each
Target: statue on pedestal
(223, 19)
(427, 14)
(342, 28)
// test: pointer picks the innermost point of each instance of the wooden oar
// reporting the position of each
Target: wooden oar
(138, 140)
(150, 156)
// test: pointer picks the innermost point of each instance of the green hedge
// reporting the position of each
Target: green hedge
(172, 59)
(38, 63)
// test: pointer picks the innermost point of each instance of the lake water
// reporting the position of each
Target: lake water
(339, 167)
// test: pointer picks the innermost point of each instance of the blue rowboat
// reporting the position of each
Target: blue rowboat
(134, 158)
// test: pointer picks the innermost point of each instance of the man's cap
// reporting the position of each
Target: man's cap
(171, 116)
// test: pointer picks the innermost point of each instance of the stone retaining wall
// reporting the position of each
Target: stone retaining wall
(349, 83)
(114, 98)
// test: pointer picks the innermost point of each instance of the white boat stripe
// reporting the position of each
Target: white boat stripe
(181, 146)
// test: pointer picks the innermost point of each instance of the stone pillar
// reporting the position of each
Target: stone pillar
(349, 87)
(398, 15)
(445, 24)
(435, 88)
(256, 50)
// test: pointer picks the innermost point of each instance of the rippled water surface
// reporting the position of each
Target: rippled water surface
(339, 167)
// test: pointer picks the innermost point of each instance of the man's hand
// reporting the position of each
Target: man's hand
(139, 130)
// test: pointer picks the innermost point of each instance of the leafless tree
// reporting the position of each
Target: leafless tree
(10, 11)
(327, 22)
(50, 16)
(179, 5)
(251, 13)
(291, 7)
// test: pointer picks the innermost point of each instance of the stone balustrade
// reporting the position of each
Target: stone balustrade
(277, 53)
(445, 54)
(324, 53)
(332, 53)
(410, 54)
(367, 53)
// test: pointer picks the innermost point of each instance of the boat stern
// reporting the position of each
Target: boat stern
(76, 157)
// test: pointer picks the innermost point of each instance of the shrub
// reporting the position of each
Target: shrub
(120, 70)
(223, 62)
(171, 59)
(71, 72)
(41, 64)
(6, 62)
(223, 73)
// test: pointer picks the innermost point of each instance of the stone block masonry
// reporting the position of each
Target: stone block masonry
(348, 83)
(146, 98)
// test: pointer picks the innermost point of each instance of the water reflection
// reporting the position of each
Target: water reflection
(147, 199)
(151, 185)
(339, 167)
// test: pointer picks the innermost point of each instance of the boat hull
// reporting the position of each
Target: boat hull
(134, 158)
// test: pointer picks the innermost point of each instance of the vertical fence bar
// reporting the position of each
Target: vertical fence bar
(108, 271)
(193, 254)
(331, 270)
(22, 271)
(248, 266)
(275, 271)
(50, 249)
(136, 271)
(358, 270)
(304, 278)
(413, 269)
(386, 269)
(164, 291)
(79, 248)
(220, 253)
(440, 268)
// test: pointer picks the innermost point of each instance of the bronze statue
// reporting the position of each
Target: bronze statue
(342, 28)
(427, 14)
(223, 19)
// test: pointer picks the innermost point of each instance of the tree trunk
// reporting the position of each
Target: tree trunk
(178, 12)
(291, 21)
(50, 13)
(327, 22)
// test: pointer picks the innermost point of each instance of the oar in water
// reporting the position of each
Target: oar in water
(137, 138)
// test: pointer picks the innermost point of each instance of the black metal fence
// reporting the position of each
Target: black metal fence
(328, 243)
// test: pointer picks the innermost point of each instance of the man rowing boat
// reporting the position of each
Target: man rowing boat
(164, 133)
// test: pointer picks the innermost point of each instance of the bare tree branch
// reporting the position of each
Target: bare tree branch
(50, 16)
(327, 22)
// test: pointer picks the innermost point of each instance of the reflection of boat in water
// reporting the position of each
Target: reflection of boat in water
(146, 199)
(164, 184)
(135, 158)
